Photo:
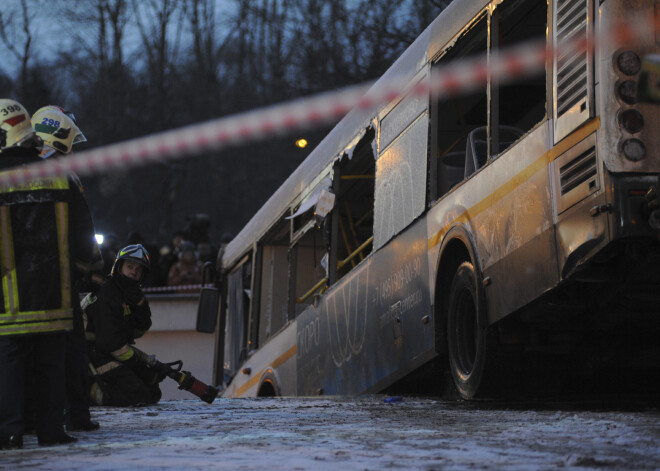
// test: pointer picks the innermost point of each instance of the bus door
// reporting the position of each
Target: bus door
(237, 319)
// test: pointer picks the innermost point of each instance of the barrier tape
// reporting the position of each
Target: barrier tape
(165, 289)
(456, 77)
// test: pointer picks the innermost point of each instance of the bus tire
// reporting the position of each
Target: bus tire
(467, 329)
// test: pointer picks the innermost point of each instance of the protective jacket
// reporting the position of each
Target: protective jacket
(46, 233)
(113, 321)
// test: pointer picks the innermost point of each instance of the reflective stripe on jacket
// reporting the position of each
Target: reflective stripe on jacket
(34, 253)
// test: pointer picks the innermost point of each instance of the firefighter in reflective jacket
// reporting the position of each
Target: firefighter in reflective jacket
(45, 231)
(59, 132)
(115, 316)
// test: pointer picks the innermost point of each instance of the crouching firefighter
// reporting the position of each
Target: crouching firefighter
(116, 315)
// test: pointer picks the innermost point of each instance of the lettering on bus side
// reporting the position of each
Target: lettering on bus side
(402, 300)
(399, 280)
(346, 313)
(329, 337)
(353, 339)
(308, 337)
(400, 292)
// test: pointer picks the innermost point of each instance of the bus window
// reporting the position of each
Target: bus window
(273, 292)
(309, 277)
(351, 222)
(322, 250)
(454, 118)
(519, 105)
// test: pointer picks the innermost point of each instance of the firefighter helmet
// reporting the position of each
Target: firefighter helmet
(15, 126)
(136, 253)
(57, 128)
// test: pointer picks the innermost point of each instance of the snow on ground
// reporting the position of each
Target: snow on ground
(362, 433)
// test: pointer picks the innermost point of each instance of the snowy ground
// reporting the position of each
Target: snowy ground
(363, 433)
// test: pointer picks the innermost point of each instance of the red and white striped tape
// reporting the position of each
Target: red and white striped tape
(454, 78)
(168, 289)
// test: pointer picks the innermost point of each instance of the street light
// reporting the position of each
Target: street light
(99, 238)
(301, 143)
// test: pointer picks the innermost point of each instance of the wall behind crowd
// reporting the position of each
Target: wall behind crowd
(125, 73)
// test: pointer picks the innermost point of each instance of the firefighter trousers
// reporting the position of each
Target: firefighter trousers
(44, 353)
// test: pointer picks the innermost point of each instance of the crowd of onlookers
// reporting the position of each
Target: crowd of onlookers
(177, 263)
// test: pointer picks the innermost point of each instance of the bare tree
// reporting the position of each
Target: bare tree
(160, 40)
(16, 30)
(201, 15)
(204, 64)
(139, 66)
(94, 70)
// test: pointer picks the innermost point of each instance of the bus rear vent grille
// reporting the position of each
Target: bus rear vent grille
(571, 61)
(578, 171)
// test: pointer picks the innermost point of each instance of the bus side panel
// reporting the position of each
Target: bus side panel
(515, 235)
(369, 328)
(507, 208)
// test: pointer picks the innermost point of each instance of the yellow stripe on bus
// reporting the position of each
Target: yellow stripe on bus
(519, 179)
(291, 352)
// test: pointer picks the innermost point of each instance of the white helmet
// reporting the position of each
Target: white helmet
(57, 128)
(15, 126)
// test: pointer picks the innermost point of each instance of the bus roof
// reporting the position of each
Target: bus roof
(435, 37)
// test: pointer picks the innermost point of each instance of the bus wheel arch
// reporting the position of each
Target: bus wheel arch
(460, 303)
(456, 248)
(269, 385)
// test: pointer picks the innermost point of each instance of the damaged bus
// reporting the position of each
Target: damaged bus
(466, 241)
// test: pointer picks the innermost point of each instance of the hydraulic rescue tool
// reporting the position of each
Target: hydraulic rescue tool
(185, 379)
(188, 382)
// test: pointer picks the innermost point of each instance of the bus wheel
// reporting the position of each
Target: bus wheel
(467, 327)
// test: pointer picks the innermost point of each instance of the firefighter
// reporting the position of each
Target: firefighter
(59, 131)
(116, 315)
(45, 230)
